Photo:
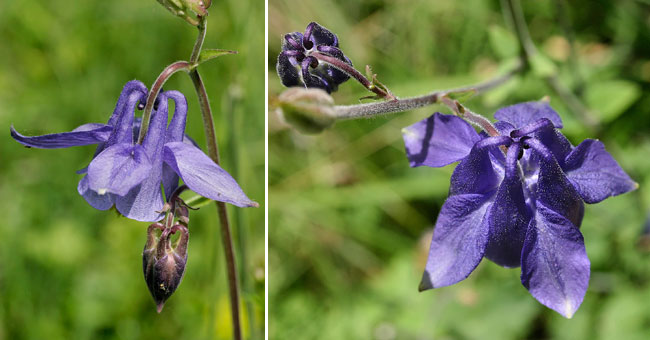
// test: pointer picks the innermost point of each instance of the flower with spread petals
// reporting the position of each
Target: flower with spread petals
(297, 67)
(128, 175)
(523, 208)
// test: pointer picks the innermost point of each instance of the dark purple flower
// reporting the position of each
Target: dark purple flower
(522, 209)
(129, 175)
(297, 67)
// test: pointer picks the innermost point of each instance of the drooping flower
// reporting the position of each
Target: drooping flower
(296, 66)
(129, 175)
(522, 209)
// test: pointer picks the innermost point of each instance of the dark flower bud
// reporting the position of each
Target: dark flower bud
(297, 65)
(163, 263)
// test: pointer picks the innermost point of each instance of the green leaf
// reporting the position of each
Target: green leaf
(609, 99)
(461, 96)
(503, 42)
(209, 54)
(542, 66)
(197, 201)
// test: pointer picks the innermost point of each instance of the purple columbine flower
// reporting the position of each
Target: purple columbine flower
(297, 67)
(129, 175)
(522, 209)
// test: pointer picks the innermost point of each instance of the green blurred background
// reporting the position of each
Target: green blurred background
(68, 271)
(350, 223)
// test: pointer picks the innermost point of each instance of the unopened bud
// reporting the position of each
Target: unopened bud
(308, 110)
(189, 10)
(199, 6)
(163, 263)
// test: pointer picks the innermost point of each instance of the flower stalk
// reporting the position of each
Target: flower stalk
(471, 117)
(346, 112)
(213, 153)
(196, 51)
(352, 72)
(155, 90)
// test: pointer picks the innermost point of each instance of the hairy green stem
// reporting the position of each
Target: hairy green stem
(213, 152)
(345, 112)
(472, 117)
(352, 72)
(196, 51)
(226, 236)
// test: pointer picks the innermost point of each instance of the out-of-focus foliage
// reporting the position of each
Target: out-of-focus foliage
(68, 271)
(350, 223)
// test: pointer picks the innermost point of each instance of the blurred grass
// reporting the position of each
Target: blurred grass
(350, 223)
(68, 271)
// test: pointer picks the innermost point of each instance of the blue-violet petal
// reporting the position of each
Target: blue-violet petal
(203, 176)
(554, 263)
(520, 115)
(459, 240)
(118, 169)
(595, 173)
(84, 135)
(509, 216)
(438, 140)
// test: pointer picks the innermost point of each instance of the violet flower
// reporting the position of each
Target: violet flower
(296, 66)
(128, 175)
(523, 209)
